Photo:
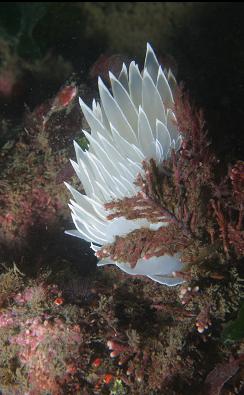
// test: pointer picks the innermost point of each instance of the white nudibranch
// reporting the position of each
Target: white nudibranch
(134, 123)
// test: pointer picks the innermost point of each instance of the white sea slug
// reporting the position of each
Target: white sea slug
(134, 123)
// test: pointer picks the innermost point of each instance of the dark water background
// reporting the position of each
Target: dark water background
(202, 41)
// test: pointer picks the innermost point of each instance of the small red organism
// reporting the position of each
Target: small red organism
(108, 378)
(97, 362)
(59, 301)
(64, 97)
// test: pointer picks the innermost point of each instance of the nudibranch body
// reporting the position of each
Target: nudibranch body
(134, 123)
